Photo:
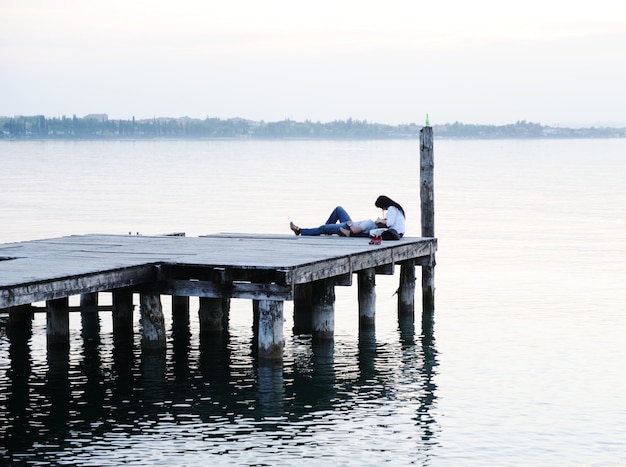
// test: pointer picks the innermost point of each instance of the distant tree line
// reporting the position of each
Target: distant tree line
(98, 126)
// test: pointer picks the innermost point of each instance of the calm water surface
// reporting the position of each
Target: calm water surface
(525, 365)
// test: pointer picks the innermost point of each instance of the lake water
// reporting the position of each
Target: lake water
(525, 365)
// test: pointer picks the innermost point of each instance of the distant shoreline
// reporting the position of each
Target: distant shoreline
(99, 127)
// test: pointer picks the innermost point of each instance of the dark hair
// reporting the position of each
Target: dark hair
(385, 202)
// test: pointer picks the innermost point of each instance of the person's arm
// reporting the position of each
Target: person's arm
(356, 229)
(381, 222)
(392, 214)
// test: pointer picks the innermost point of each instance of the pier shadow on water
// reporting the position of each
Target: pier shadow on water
(106, 397)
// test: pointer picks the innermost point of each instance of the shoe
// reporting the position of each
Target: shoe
(295, 228)
(376, 241)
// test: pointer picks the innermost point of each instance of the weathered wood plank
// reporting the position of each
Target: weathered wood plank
(65, 287)
(234, 290)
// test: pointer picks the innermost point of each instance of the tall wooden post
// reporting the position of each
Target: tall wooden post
(58, 322)
(427, 197)
(367, 297)
(152, 321)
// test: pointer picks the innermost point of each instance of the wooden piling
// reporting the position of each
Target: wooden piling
(180, 315)
(89, 300)
(270, 330)
(180, 307)
(427, 192)
(302, 309)
(367, 297)
(225, 313)
(122, 310)
(152, 321)
(406, 289)
(210, 316)
(323, 309)
(58, 322)
(90, 319)
(20, 320)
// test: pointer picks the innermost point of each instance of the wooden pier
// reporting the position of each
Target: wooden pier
(267, 269)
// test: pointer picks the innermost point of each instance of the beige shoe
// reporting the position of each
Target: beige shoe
(295, 228)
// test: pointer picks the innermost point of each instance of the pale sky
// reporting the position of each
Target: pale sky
(482, 61)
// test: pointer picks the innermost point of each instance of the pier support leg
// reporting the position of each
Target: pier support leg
(428, 297)
(270, 331)
(58, 323)
(20, 320)
(180, 307)
(89, 317)
(122, 311)
(88, 300)
(210, 315)
(152, 321)
(302, 309)
(18, 398)
(225, 313)
(180, 315)
(323, 302)
(367, 297)
(406, 288)
(255, 324)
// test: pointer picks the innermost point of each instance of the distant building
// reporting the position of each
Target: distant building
(99, 117)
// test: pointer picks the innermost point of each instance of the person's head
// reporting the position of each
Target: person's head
(384, 202)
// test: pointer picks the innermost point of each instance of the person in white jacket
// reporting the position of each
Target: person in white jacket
(394, 218)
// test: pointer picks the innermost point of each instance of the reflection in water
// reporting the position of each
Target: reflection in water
(55, 403)
(16, 424)
(425, 418)
(367, 355)
(90, 387)
(106, 392)
(270, 389)
(427, 355)
(123, 359)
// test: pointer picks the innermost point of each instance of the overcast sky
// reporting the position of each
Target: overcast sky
(482, 61)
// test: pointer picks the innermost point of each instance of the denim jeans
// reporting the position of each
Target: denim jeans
(331, 226)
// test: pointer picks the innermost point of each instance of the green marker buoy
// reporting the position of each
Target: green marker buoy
(427, 121)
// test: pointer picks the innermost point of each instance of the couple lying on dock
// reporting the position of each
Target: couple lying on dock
(392, 224)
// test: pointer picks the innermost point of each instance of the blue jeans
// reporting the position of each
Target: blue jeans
(331, 226)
